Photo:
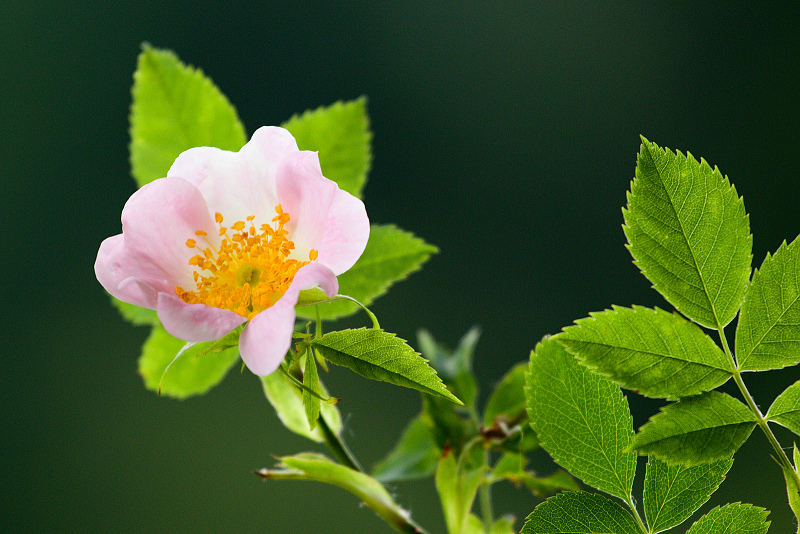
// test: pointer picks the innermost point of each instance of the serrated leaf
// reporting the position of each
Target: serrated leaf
(340, 133)
(785, 410)
(672, 493)
(454, 367)
(135, 314)
(579, 512)
(415, 455)
(653, 352)
(391, 255)
(175, 108)
(689, 234)
(310, 466)
(311, 382)
(379, 355)
(191, 374)
(457, 483)
(768, 331)
(696, 430)
(735, 517)
(507, 402)
(287, 400)
(581, 419)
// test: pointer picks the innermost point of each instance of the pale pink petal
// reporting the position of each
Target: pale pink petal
(195, 322)
(268, 336)
(346, 233)
(151, 256)
(306, 196)
(238, 184)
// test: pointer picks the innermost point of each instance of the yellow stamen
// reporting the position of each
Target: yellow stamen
(249, 272)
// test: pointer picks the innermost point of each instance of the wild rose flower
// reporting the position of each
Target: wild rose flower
(229, 237)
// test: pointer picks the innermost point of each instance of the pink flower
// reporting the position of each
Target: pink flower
(230, 237)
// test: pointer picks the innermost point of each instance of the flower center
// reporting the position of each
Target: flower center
(249, 272)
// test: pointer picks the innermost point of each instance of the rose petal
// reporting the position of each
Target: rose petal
(266, 338)
(238, 184)
(151, 256)
(195, 322)
(346, 233)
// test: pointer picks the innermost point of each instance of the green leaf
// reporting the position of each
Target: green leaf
(792, 488)
(504, 525)
(175, 108)
(311, 381)
(768, 332)
(736, 517)
(454, 367)
(689, 234)
(785, 410)
(511, 467)
(449, 428)
(457, 483)
(287, 400)
(507, 402)
(579, 512)
(379, 355)
(581, 419)
(310, 466)
(696, 430)
(191, 374)
(137, 315)
(653, 352)
(391, 255)
(340, 133)
(415, 455)
(672, 493)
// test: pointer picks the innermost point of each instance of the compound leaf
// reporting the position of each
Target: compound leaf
(579, 512)
(735, 517)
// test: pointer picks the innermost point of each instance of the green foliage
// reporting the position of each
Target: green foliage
(507, 402)
(310, 466)
(579, 512)
(737, 517)
(414, 456)
(672, 493)
(175, 108)
(287, 400)
(340, 133)
(379, 355)
(457, 482)
(785, 410)
(768, 332)
(696, 430)
(511, 467)
(689, 234)
(391, 255)
(581, 419)
(193, 373)
(136, 314)
(656, 353)
(311, 382)
(454, 367)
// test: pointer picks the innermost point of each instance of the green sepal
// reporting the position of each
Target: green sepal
(650, 351)
(581, 419)
(194, 372)
(311, 402)
(457, 483)
(390, 256)
(454, 367)
(792, 487)
(735, 517)
(696, 430)
(768, 330)
(175, 108)
(579, 512)
(689, 234)
(785, 409)
(316, 467)
(340, 134)
(287, 400)
(379, 355)
(672, 493)
(414, 456)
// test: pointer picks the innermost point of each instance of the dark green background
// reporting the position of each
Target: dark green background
(504, 133)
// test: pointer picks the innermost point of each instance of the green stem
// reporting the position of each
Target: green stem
(485, 497)
(782, 459)
(629, 502)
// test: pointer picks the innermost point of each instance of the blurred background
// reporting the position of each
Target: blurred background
(504, 133)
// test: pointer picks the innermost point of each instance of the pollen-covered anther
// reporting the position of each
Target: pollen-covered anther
(249, 270)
